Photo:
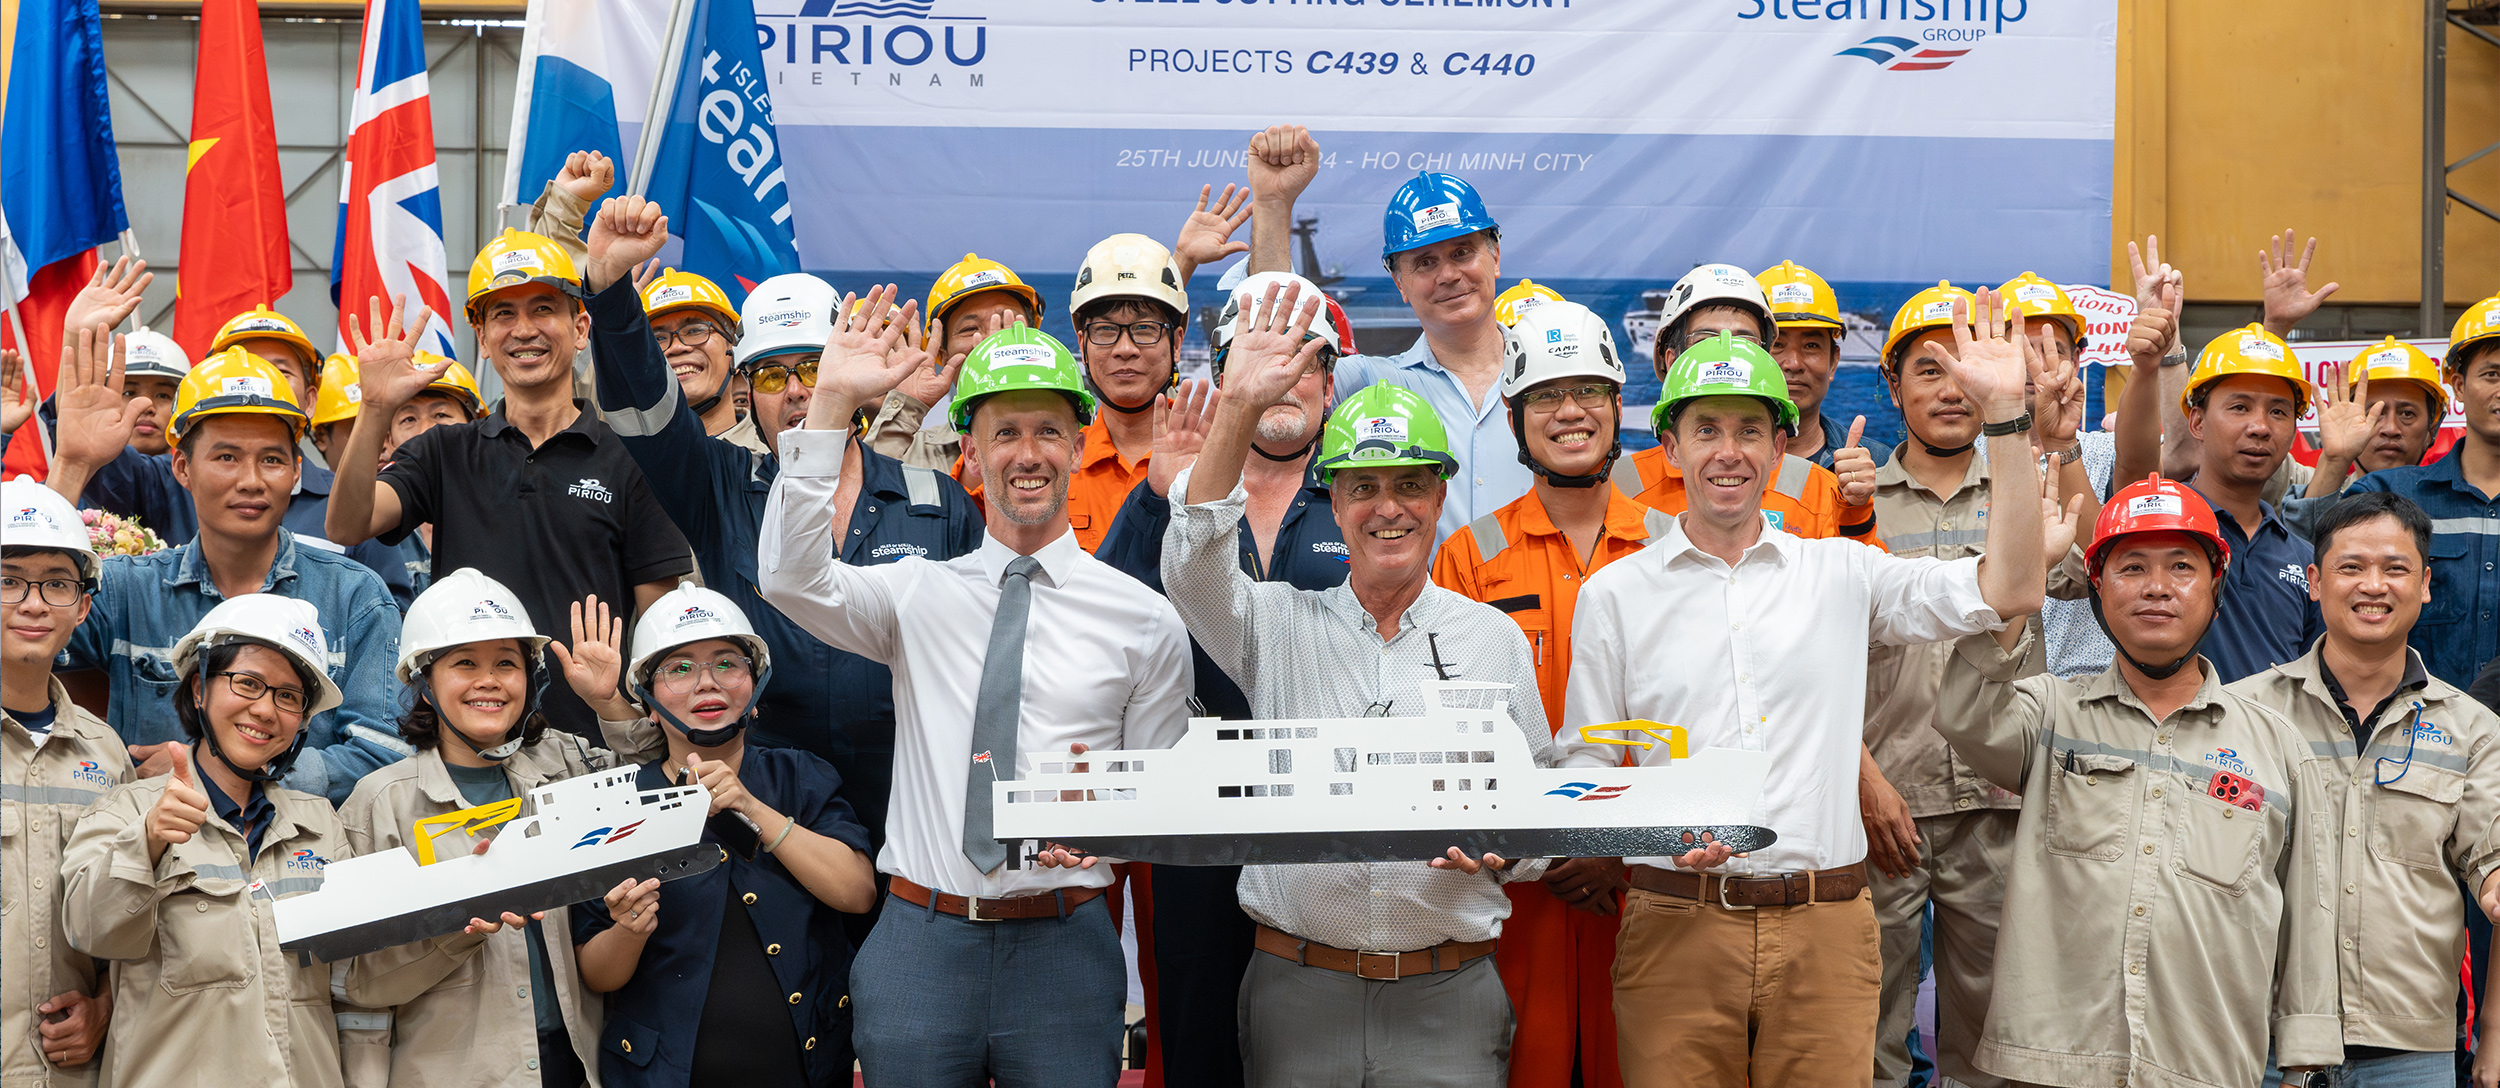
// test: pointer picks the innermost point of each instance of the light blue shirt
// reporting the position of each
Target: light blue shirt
(1489, 473)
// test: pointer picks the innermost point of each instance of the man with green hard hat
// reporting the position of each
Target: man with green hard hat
(974, 959)
(1340, 985)
(1765, 970)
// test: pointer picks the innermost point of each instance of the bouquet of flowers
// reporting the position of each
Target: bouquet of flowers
(113, 534)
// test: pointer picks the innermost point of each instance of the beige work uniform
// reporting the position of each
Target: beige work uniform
(2146, 923)
(2401, 847)
(1965, 823)
(43, 792)
(463, 1014)
(202, 995)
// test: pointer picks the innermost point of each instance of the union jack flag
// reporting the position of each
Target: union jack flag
(390, 236)
(980, 757)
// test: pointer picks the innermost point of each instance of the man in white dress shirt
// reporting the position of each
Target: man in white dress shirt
(1751, 638)
(977, 969)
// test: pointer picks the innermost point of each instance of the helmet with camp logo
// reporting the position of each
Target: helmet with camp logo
(1799, 298)
(2035, 296)
(1928, 309)
(2249, 350)
(1014, 358)
(1725, 365)
(518, 257)
(1712, 285)
(971, 276)
(234, 382)
(2393, 360)
(1558, 340)
(1385, 425)
(1522, 297)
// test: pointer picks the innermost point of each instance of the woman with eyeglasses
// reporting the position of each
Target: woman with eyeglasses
(174, 877)
(499, 1003)
(740, 975)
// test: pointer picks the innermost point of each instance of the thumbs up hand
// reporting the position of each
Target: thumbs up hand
(180, 810)
(1855, 467)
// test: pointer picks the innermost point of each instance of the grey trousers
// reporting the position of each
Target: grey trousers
(1308, 1027)
(1962, 871)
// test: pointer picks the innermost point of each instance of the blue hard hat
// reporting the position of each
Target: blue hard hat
(1431, 208)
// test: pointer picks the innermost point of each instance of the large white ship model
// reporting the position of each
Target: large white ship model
(1383, 789)
(582, 836)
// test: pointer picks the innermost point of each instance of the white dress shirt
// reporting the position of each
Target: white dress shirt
(1769, 656)
(1106, 662)
(1302, 653)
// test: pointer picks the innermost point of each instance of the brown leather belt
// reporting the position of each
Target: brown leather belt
(1377, 966)
(1784, 890)
(1013, 908)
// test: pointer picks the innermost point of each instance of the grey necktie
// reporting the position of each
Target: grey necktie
(997, 711)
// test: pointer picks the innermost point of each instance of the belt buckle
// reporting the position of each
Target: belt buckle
(1392, 976)
(972, 910)
(1723, 903)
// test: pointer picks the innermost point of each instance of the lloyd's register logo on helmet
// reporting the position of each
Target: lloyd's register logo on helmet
(591, 488)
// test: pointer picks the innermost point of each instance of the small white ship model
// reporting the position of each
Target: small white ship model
(1383, 789)
(583, 836)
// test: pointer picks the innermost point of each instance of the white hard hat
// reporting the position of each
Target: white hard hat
(691, 613)
(1252, 293)
(785, 315)
(1714, 285)
(40, 518)
(1557, 340)
(286, 624)
(1129, 266)
(151, 354)
(459, 609)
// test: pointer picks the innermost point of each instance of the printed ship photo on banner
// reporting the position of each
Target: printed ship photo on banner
(1618, 142)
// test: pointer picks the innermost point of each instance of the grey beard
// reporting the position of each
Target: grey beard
(1058, 503)
(1277, 427)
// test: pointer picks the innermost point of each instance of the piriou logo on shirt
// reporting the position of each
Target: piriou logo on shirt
(2294, 574)
(591, 488)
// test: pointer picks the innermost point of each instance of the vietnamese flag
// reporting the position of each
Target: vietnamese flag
(234, 248)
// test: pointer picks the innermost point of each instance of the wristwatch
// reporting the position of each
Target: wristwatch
(2178, 355)
(2072, 453)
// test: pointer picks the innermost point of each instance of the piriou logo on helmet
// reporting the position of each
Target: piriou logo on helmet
(489, 609)
(259, 324)
(673, 293)
(517, 260)
(990, 277)
(244, 385)
(696, 613)
(2150, 505)
(1436, 216)
(1792, 294)
(1725, 372)
(308, 640)
(2258, 346)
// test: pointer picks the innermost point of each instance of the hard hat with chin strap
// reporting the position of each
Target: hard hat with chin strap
(2154, 505)
(1559, 341)
(467, 607)
(287, 625)
(685, 615)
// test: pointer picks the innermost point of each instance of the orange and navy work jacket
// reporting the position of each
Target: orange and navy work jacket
(1804, 500)
(1516, 560)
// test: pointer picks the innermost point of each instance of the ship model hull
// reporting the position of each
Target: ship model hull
(425, 923)
(1312, 847)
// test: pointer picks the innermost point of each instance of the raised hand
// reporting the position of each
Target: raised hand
(1206, 236)
(2059, 526)
(1989, 357)
(2346, 420)
(91, 420)
(1269, 352)
(2288, 297)
(2150, 272)
(1283, 160)
(17, 391)
(644, 273)
(925, 381)
(628, 231)
(859, 364)
(1181, 420)
(2057, 401)
(587, 176)
(596, 661)
(2156, 327)
(1855, 467)
(110, 295)
(179, 811)
(386, 364)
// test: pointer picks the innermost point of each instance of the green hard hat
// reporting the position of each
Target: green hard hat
(1724, 366)
(1019, 357)
(1384, 425)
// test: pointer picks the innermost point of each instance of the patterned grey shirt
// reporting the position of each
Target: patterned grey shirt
(2077, 646)
(1302, 653)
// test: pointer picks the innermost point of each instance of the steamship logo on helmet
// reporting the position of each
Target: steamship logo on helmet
(783, 319)
(1034, 355)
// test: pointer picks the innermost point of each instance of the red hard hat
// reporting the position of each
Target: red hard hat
(2155, 505)
(1344, 327)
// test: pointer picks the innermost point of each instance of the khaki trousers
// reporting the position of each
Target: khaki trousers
(1962, 871)
(1779, 997)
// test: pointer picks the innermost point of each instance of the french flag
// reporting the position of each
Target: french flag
(390, 236)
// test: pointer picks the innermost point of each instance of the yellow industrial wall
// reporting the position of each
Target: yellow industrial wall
(2235, 121)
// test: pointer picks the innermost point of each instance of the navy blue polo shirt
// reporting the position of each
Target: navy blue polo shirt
(649, 1034)
(2266, 617)
(839, 706)
(2460, 628)
(1309, 554)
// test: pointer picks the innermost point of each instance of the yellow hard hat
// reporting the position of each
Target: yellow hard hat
(971, 276)
(1129, 266)
(457, 382)
(518, 257)
(234, 382)
(1928, 309)
(2480, 323)
(673, 290)
(263, 323)
(2037, 297)
(2393, 360)
(340, 392)
(1521, 298)
(1799, 298)
(2250, 350)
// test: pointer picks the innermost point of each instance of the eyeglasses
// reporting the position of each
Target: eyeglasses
(57, 592)
(679, 676)
(1698, 335)
(774, 378)
(1592, 397)
(250, 688)
(1144, 334)
(693, 334)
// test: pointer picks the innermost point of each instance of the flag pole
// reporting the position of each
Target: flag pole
(663, 94)
(533, 23)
